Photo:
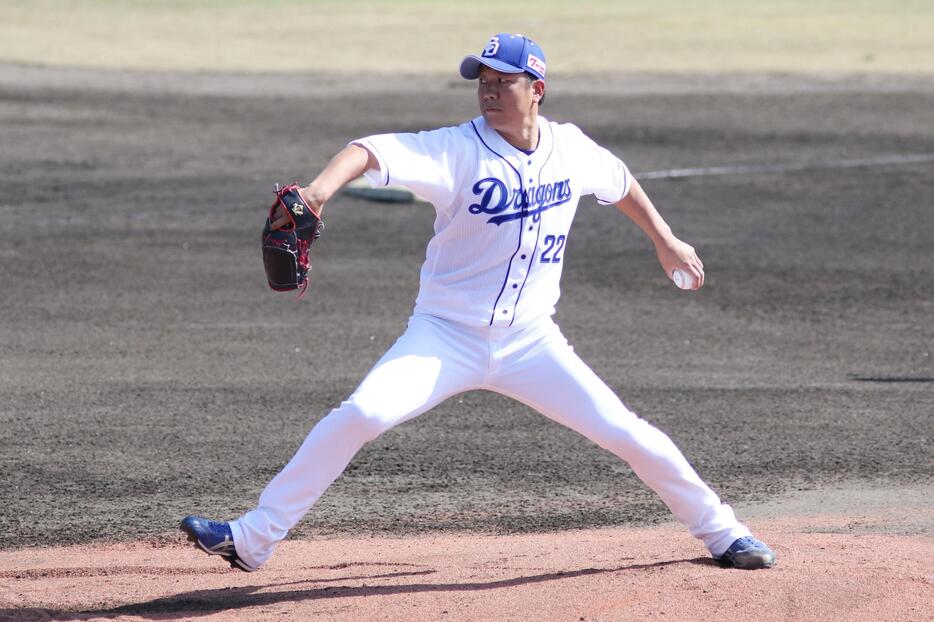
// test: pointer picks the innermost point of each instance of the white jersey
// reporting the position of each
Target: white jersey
(502, 215)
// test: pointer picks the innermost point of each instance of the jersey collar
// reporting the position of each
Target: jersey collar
(519, 159)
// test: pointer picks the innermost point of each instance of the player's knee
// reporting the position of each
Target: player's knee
(638, 436)
(358, 422)
(619, 435)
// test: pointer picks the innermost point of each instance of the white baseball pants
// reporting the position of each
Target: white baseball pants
(435, 359)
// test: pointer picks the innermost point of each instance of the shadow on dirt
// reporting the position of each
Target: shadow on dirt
(207, 602)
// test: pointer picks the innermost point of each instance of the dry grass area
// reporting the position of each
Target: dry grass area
(785, 36)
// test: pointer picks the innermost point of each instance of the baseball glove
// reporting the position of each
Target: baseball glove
(291, 228)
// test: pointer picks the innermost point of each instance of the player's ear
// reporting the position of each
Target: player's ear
(538, 91)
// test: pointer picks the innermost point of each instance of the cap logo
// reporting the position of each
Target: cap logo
(492, 47)
(536, 63)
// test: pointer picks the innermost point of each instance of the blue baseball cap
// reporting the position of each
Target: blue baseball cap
(509, 54)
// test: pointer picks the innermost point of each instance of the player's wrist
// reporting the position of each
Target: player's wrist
(314, 196)
(663, 237)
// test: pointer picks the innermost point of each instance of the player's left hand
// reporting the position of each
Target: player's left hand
(279, 217)
(673, 254)
(292, 226)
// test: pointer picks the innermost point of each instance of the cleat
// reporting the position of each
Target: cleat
(747, 553)
(214, 538)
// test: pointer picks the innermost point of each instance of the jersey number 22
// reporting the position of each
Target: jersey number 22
(553, 247)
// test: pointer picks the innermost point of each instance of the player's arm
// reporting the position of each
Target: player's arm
(351, 162)
(672, 253)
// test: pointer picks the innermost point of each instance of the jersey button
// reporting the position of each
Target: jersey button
(523, 257)
(514, 286)
(505, 311)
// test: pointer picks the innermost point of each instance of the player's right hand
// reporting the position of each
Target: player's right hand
(673, 254)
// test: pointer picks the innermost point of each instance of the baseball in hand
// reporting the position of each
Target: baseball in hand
(683, 279)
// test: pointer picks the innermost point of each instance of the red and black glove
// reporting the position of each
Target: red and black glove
(291, 228)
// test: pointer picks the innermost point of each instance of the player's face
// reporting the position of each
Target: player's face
(506, 99)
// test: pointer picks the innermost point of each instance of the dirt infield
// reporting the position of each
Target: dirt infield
(141, 355)
(831, 568)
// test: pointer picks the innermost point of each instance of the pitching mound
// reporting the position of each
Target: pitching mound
(830, 567)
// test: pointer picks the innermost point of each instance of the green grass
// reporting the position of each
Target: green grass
(424, 36)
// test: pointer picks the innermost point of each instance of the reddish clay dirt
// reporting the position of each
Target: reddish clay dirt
(825, 572)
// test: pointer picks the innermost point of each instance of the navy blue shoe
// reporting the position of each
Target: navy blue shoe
(214, 538)
(747, 553)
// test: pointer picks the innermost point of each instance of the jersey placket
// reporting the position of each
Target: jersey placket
(504, 313)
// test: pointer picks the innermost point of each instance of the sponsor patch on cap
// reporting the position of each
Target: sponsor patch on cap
(536, 63)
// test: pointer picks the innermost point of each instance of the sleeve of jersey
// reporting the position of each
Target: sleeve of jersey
(602, 174)
(421, 162)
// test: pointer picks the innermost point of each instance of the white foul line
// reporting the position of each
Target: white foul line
(675, 173)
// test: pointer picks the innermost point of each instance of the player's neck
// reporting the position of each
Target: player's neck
(524, 136)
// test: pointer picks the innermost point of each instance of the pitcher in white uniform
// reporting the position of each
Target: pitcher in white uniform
(505, 188)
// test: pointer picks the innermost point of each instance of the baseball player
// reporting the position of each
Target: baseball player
(505, 187)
